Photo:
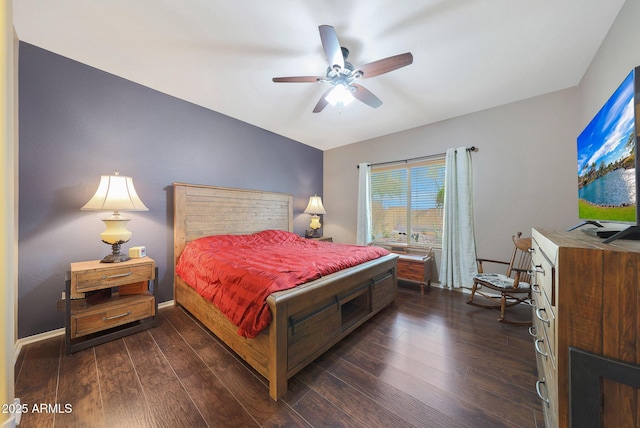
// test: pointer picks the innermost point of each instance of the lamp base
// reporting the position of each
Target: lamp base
(115, 256)
(311, 233)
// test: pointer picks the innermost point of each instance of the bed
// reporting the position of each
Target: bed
(306, 320)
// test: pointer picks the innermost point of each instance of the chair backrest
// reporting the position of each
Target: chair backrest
(521, 258)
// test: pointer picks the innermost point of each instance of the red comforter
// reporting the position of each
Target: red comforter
(238, 272)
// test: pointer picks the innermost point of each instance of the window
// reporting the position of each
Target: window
(407, 203)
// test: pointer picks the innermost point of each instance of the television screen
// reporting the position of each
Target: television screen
(606, 160)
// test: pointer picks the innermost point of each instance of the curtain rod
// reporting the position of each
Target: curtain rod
(469, 149)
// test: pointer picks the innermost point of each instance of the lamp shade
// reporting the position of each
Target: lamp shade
(115, 193)
(315, 206)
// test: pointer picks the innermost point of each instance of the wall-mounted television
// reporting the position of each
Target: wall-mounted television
(607, 166)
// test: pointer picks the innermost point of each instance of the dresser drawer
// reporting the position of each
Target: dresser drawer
(383, 290)
(88, 276)
(308, 332)
(112, 314)
(544, 266)
(547, 388)
(544, 320)
(547, 384)
(545, 336)
(411, 268)
(543, 295)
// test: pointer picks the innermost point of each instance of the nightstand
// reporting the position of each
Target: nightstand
(323, 238)
(415, 268)
(106, 301)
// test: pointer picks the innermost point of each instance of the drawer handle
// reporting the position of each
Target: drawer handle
(532, 331)
(343, 299)
(538, 269)
(539, 315)
(539, 391)
(116, 316)
(293, 322)
(536, 288)
(120, 275)
(538, 350)
(382, 278)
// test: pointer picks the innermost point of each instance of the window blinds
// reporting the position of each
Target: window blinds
(407, 203)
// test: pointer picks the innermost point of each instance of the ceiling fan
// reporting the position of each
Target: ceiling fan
(341, 75)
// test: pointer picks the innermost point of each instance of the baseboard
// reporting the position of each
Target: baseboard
(35, 338)
(165, 304)
(9, 423)
(434, 284)
(463, 290)
(14, 415)
(54, 333)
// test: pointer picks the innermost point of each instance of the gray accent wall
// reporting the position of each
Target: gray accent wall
(77, 123)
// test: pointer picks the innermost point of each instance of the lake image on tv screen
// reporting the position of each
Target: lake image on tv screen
(606, 160)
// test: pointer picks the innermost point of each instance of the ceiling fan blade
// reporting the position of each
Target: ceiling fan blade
(366, 96)
(322, 102)
(385, 65)
(331, 46)
(297, 79)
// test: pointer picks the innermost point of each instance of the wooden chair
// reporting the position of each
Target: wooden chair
(513, 287)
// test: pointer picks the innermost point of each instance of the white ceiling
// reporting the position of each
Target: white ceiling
(469, 55)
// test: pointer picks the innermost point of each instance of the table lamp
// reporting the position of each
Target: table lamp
(115, 192)
(314, 208)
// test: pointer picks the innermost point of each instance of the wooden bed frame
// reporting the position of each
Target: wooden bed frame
(308, 319)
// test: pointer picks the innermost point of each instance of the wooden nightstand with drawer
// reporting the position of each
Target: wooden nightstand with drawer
(98, 312)
(414, 267)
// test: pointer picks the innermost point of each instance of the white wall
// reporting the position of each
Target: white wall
(524, 171)
(617, 56)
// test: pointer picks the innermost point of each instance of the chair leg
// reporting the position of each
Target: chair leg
(503, 306)
(474, 288)
(474, 292)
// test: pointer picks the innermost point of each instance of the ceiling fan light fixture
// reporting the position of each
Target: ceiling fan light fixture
(342, 75)
(340, 96)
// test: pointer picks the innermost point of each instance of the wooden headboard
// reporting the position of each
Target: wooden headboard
(201, 210)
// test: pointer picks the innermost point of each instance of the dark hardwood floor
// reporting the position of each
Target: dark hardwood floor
(430, 361)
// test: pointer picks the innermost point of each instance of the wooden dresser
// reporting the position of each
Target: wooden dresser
(586, 296)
